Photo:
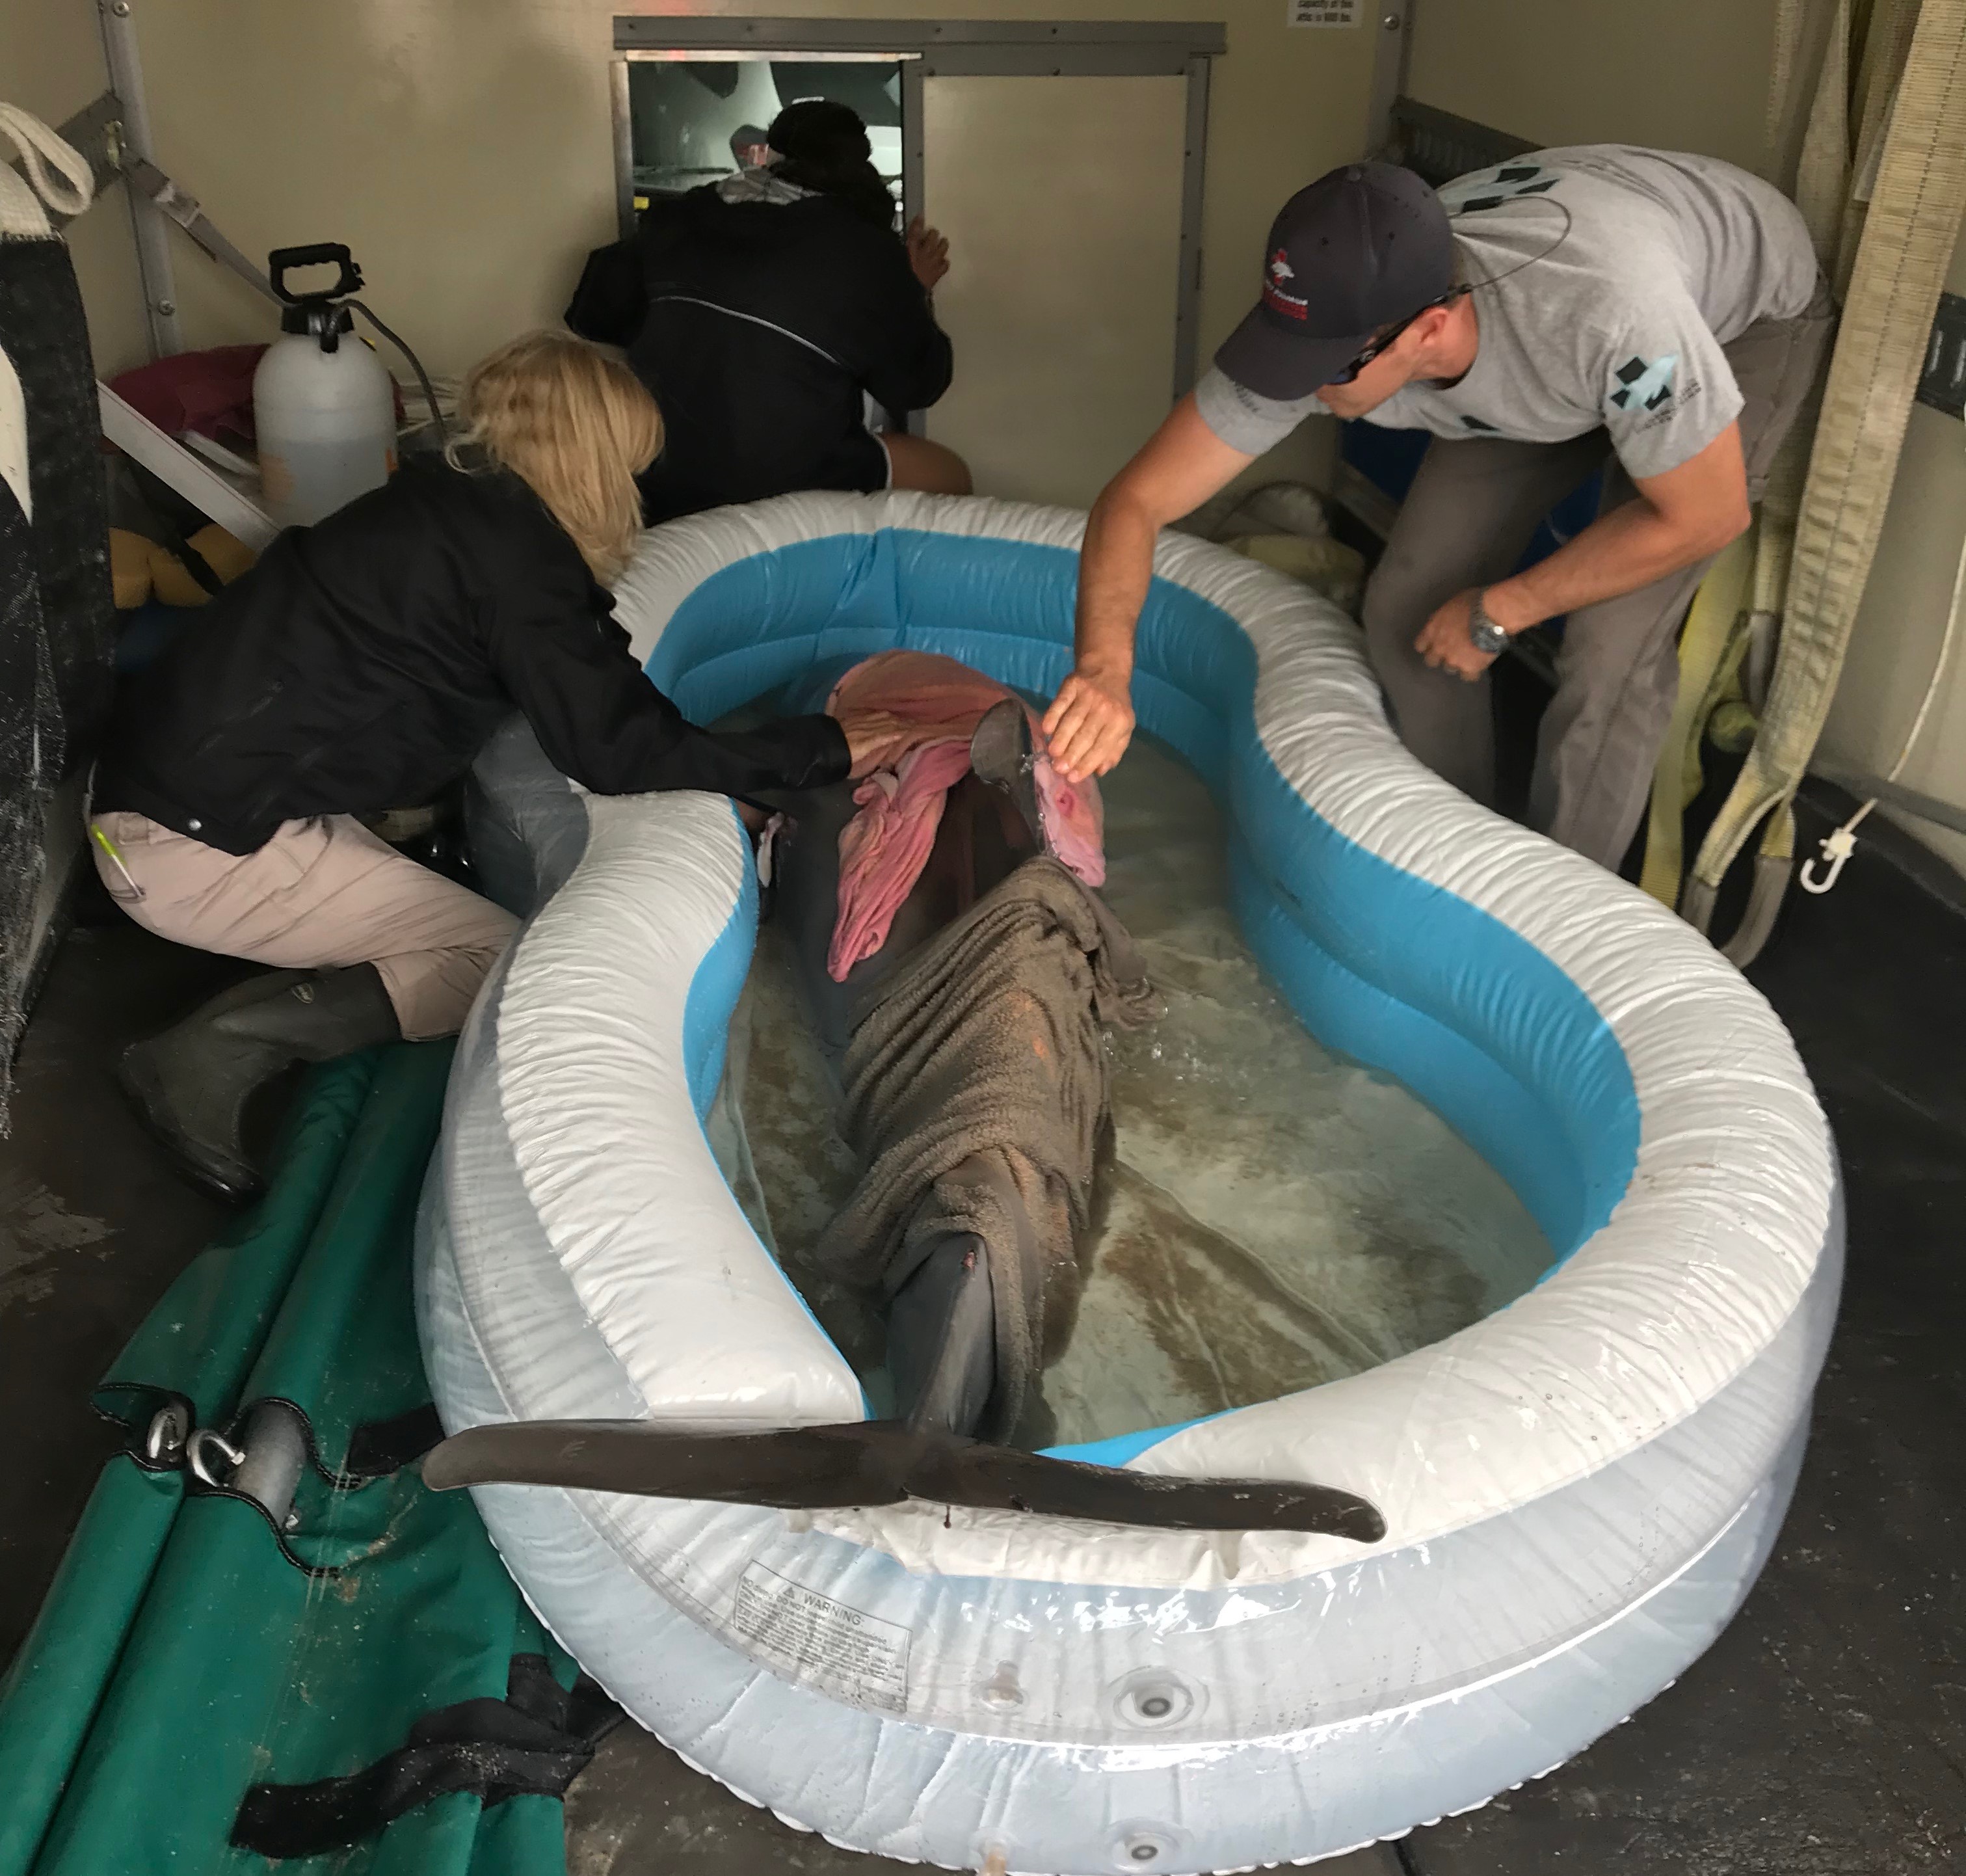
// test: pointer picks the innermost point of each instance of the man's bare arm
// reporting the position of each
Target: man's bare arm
(1090, 721)
(1679, 518)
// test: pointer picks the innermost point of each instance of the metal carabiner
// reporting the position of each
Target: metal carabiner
(164, 1437)
(195, 1448)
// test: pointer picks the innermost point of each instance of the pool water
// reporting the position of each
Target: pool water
(1276, 1216)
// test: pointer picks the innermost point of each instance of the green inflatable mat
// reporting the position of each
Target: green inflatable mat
(368, 1683)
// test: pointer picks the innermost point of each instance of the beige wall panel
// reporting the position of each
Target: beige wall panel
(463, 150)
(462, 147)
(1676, 74)
(1060, 198)
(51, 64)
(1903, 620)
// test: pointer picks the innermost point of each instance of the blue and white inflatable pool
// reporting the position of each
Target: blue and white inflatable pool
(1579, 1490)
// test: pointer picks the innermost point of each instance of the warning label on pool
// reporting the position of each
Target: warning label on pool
(844, 1650)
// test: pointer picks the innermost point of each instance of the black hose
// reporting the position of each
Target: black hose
(416, 365)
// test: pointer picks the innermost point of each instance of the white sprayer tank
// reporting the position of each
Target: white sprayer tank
(325, 409)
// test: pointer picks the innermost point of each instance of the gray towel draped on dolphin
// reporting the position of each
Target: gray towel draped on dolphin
(977, 1099)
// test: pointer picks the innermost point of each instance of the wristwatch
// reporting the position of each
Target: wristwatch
(1487, 637)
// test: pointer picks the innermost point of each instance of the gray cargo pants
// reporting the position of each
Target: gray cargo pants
(1472, 511)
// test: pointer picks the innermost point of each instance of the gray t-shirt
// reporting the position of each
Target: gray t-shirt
(1614, 316)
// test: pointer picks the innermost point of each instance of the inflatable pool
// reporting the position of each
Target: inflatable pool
(1578, 1489)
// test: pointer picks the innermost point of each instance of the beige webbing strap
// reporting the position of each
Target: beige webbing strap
(57, 175)
(1725, 654)
(1899, 265)
(1791, 16)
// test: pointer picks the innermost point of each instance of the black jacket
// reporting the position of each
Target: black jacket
(758, 325)
(362, 663)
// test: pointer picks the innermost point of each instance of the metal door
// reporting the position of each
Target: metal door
(1062, 198)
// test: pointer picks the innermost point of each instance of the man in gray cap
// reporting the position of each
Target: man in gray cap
(1658, 316)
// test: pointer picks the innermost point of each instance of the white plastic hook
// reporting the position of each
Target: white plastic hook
(1838, 845)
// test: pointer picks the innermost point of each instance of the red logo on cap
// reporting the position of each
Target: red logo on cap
(1274, 296)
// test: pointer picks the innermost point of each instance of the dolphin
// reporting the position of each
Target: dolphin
(941, 1319)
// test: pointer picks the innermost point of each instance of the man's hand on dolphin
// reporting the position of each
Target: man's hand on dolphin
(1090, 722)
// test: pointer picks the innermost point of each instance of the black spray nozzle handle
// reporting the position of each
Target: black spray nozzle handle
(321, 254)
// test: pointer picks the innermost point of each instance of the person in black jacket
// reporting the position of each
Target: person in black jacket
(763, 310)
(361, 665)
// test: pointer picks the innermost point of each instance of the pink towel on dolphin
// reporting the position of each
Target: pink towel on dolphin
(884, 848)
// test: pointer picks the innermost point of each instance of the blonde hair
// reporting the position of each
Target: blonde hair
(577, 426)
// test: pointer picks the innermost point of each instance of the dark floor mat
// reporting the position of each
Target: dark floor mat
(94, 1225)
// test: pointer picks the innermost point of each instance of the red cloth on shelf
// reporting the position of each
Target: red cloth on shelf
(211, 391)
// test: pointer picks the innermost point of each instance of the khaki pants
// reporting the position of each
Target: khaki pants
(1473, 507)
(323, 892)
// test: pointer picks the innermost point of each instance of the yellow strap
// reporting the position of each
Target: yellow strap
(1710, 655)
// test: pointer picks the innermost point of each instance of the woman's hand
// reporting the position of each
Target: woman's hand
(872, 736)
(928, 252)
(1090, 722)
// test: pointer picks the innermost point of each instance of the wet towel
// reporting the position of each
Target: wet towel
(978, 1099)
(884, 847)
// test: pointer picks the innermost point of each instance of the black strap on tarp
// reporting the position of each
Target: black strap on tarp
(533, 1742)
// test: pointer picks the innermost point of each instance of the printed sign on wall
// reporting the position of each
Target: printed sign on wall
(1321, 12)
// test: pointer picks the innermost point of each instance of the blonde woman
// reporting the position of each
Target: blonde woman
(360, 665)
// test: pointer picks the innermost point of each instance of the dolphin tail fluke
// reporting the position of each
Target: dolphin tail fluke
(878, 1463)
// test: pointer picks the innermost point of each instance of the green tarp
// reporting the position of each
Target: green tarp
(181, 1657)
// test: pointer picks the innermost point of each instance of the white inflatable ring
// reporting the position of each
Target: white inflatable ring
(1578, 1489)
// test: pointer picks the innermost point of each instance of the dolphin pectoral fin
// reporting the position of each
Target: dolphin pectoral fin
(1002, 754)
(942, 1337)
(878, 1463)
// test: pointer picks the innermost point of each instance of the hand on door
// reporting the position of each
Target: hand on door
(928, 252)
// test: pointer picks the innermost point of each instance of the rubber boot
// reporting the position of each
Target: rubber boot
(190, 1085)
